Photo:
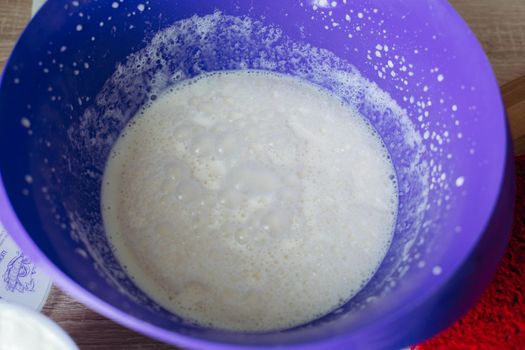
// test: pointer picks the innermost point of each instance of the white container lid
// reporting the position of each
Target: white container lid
(24, 329)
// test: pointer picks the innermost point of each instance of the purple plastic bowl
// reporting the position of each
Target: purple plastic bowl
(61, 110)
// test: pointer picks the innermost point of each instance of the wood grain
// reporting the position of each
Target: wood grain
(514, 97)
(500, 28)
(14, 15)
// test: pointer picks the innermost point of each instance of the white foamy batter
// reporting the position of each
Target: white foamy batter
(249, 201)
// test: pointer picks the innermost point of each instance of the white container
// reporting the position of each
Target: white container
(24, 329)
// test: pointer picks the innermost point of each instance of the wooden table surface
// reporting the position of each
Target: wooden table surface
(499, 25)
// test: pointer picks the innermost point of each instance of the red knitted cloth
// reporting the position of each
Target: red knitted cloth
(498, 319)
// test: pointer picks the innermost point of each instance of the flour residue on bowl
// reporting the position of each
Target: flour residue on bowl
(219, 42)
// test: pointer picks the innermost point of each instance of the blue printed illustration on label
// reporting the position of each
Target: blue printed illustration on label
(19, 274)
(21, 281)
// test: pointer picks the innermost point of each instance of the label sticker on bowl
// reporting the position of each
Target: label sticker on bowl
(21, 281)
